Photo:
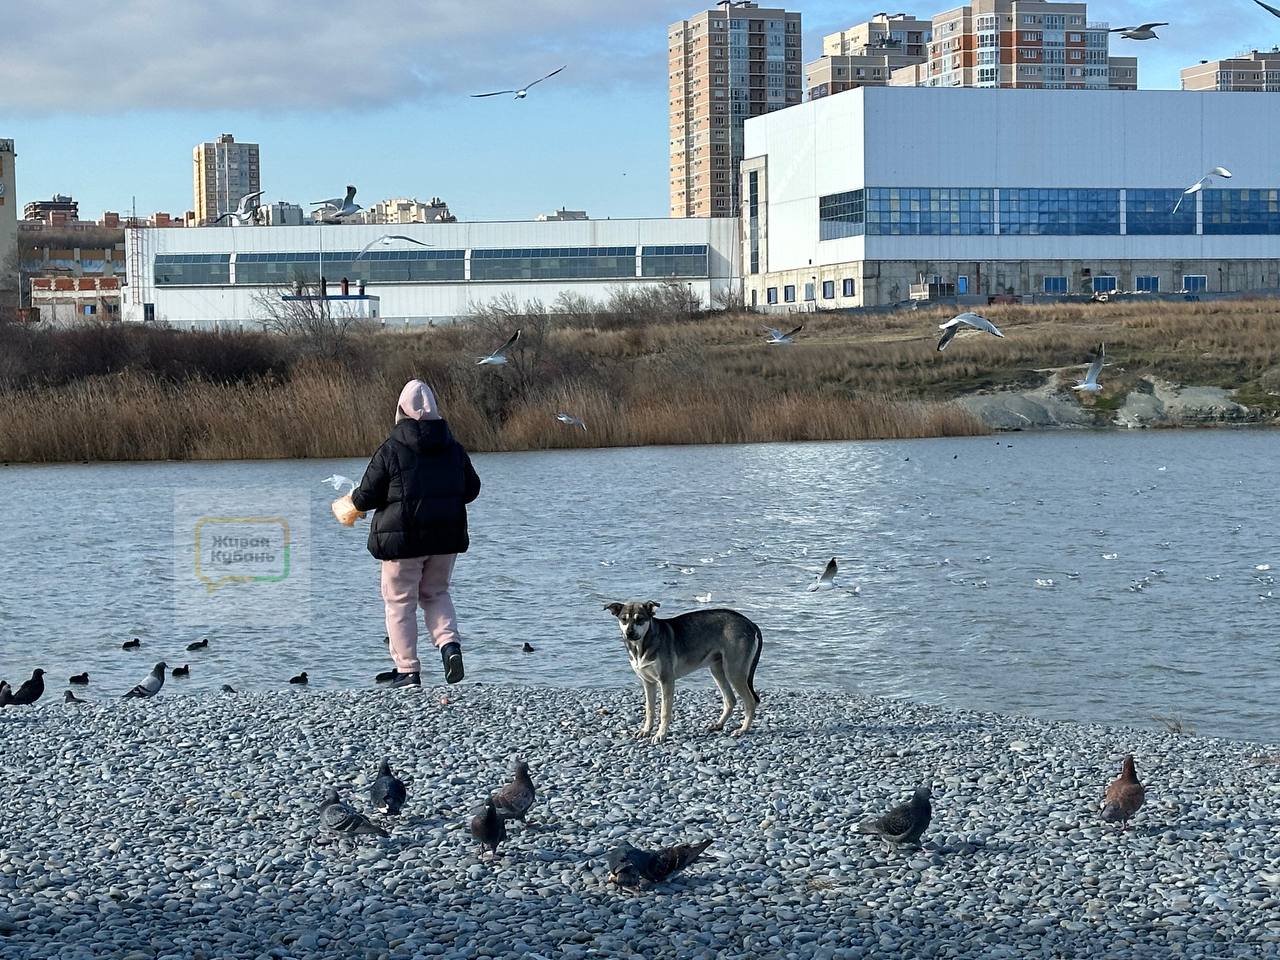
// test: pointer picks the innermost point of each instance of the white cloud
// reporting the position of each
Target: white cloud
(301, 55)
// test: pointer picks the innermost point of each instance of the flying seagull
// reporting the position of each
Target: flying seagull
(827, 579)
(1267, 7)
(523, 91)
(338, 208)
(1090, 382)
(1144, 32)
(246, 210)
(952, 327)
(1201, 184)
(777, 336)
(570, 420)
(386, 240)
(336, 481)
(499, 356)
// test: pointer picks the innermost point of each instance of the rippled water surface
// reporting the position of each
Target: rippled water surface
(945, 538)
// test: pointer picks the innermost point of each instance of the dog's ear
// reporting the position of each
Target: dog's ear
(651, 605)
(614, 608)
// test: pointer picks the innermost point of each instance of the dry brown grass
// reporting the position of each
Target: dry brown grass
(710, 380)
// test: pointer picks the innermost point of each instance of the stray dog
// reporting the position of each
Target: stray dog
(661, 651)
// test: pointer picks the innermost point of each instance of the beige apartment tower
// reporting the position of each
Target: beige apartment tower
(224, 172)
(1255, 71)
(1035, 44)
(866, 55)
(736, 61)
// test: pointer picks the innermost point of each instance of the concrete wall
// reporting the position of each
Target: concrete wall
(418, 302)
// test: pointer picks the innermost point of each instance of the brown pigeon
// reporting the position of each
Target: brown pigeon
(514, 800)
(1124, 796)
(634, 869)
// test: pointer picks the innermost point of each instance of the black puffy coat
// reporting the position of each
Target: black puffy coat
(419, 482)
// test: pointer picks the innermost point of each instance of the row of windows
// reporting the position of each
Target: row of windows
(427, 266)
(828, 291)
(944, 211)
(1191, 283)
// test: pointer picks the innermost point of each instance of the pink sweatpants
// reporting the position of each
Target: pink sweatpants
(408, 584)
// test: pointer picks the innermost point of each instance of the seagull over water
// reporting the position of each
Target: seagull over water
(386, 240)
(778, 337)
(523, 91)
(569, 420)
(336, 481)
(246, 210)
(1090, 382)
(970, 320)
(499, 356)
(1200, 184)
(1144, 32)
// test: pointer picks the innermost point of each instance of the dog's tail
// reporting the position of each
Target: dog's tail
(751, 675)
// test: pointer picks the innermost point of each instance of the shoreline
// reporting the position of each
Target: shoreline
(186, 826)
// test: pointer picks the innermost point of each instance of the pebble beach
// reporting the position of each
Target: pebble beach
(186, 827)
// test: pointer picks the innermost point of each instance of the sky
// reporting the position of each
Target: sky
(376, 94)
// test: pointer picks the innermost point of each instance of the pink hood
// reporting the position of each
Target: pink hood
(416, 402)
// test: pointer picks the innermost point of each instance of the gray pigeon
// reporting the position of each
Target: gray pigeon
(905, 823)
(151, 685)
(388, 793)
(337, 817)
(488, 828)
(634, 869)
(31, 691)
(70, 697)
(228, 688)
(514, 800)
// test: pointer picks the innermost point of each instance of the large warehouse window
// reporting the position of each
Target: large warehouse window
(554, 263)
(841, 215)
(376, 266)
(1241, 212)
(1150, 213)
(1069, 212)
(192, 269)
(686, 260)
(930, 211)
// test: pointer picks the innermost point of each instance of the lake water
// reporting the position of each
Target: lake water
(945, 538)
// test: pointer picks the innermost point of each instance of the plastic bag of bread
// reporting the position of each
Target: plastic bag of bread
(346, 511)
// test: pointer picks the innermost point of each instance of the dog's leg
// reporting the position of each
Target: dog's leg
(742, 684)
(726, 694)
(650, 690)
(668, 697)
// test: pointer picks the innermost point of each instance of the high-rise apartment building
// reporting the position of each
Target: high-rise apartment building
(867, 54)
(1037, 44)
(1254, 71)
(727, 64)
(8, 213)
(224, 172)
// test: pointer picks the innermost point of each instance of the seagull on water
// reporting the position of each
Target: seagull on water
(778, 337)
(1090, 382)
(972, 320)
(338, 209)
(523, 91)
(1200, 184)
(336, 481)
(1144, 32)
(569, 420)
(499, 356)
(246, 210)
(386, 240)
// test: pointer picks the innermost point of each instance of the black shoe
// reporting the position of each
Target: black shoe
(387, 676)
(407, 680)
(451, 654)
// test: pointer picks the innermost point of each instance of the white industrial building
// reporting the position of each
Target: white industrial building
(877, 194)
(219, 276)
